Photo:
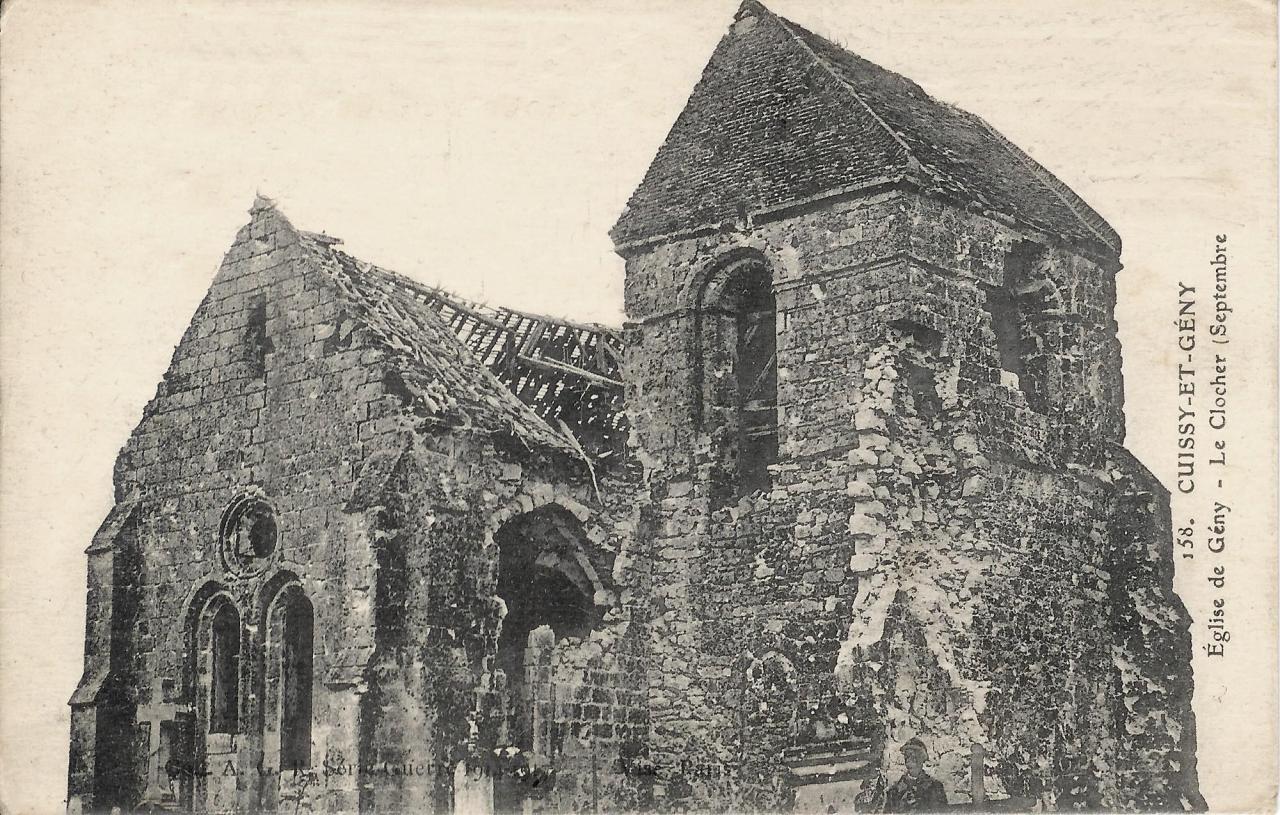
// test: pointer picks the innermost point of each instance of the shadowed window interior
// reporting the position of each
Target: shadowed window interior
(1008, 310)
(738, 337)
(542, 584)
(224, 702)
(257, 343)
(757, 378)
(548, 595)
(1006, 322)
(295, 683)
(256, 537)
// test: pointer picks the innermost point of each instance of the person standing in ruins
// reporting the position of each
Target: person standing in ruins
(916, 790)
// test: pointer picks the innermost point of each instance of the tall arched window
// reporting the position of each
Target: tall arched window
(295, 696)
(737, 341)
(757, 378)
(289, 673)
(224, 670)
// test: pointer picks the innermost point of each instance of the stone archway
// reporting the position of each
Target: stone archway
(549, 589)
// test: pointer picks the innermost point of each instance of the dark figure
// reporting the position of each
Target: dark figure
(916, 790)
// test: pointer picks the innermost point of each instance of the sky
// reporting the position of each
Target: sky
(488, 147)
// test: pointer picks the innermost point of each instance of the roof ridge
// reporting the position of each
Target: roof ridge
(787, 26)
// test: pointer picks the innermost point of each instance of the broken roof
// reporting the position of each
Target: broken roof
(782, 116)
(569, 373)
(549, 382)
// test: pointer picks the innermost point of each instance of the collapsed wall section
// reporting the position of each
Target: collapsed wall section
(511, 644)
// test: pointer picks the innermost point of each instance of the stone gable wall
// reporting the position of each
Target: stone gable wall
(294, 426)
(387, 524)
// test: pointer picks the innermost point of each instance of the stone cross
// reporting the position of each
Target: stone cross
(156, 713)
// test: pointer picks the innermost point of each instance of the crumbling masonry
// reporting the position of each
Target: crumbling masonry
(852, 473)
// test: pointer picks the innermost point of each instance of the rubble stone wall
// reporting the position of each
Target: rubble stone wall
(933, 558)
(436, 688)
(954, 546)
(219, 425)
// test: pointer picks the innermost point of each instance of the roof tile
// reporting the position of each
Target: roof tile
(782, 115)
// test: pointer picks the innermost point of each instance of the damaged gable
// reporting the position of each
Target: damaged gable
(433, 372)
(568, 373)
(549, 383)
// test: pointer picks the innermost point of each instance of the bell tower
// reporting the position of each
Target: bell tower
(873, 374)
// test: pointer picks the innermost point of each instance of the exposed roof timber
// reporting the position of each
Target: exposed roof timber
(550, 381)
(494, 333)
(566, 373)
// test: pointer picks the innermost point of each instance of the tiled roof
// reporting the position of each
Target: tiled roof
(441, 376)
(782, 116)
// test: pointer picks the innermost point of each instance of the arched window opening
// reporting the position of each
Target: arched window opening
(224, 690)
(542, 596)
(757, 380)
(295, 685)
(737, 330)
(289, 676)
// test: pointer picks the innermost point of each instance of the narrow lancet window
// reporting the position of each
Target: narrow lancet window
(757, 384)
(295, 684)
(257, 343)
(737, 330)
(1006, 322)
(1007, 308)
(224, 701)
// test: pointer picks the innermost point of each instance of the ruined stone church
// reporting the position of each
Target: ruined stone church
(852, 473)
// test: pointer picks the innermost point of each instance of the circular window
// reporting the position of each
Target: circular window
(249, 534)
